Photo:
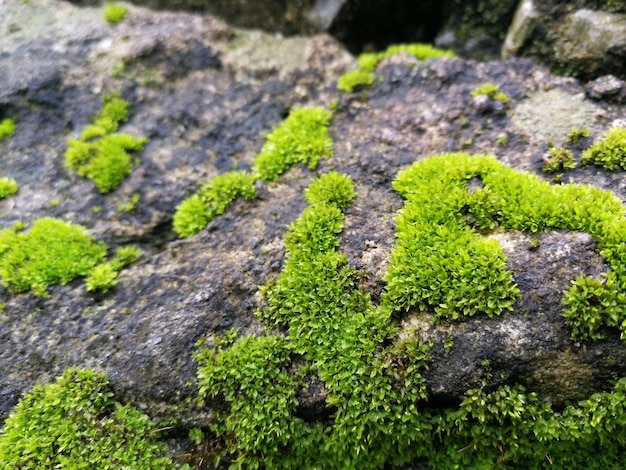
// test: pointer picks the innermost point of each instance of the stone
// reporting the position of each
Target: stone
(205, 94)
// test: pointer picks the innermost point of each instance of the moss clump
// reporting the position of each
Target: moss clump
(8, 187)
(610, 152)
(7, 128)
(558, 159)
(101, 155)
(195, 212)
(441, 262)
(375, 393)
(368, 61)
(492, 91)
(354, 79)
(74, 423)
(577, 134)
(115, 13)
(334, 327)
(52, 252)
(302, 138)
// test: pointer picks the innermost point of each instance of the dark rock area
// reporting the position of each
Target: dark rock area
(205, 94)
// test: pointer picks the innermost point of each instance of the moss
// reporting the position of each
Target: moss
(52, 252)
(576, 134)
(8, 187)
(363, 75)
(74, 423)
(55, 252)
(302, 138)
(195, 212)
(354, 79)
(441, 262)
(7, 128)
(102, 277)
(334, 326)
(558, 159)
(610, 151)
(114, 13)
(372, 376)
(101, 155)
(492, 91)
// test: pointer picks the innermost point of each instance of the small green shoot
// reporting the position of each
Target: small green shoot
(8, 187)
(115, 13)
(492, 91)
(609, 152)
(7, 128)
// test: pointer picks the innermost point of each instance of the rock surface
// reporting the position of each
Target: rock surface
(205, 94)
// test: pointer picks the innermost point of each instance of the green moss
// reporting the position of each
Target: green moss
(440, 261)
(302, 138)
(354, 79)
(52, 252)
(558, 159)
(102, 277)
(492, 91)
(341, 335)
(373, 384)
(8, 187)
(74, 424)
(131, 205)
(101, 155)
(195, 212)
(576, 134)
(331, 188)
(115, 13)
(368, 61)
(7, 128)
(610, 152)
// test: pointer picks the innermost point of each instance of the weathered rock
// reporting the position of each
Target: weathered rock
(205, 94)
(586, 40)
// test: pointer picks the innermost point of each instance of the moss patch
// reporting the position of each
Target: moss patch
(302, 138)
(610, 151)
(55, 252)
(492, 91)
(74, 423)
(8, 187)
(363, 75)
(7, 128)
(441, 262)
(115, 13)
(101, 155)
(375, 393)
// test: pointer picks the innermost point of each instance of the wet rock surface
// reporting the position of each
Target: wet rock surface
(205, 109)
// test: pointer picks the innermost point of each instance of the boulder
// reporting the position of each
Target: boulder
(205, 94)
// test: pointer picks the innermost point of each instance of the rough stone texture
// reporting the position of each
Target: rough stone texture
(584, 38)
(205, 109)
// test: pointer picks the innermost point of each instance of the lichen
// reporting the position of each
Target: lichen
(101, 155)
(74, 423)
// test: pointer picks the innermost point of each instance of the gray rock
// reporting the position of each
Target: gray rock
(205, 94)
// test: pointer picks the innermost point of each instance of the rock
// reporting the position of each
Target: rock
(205, 94)
(608, 88)
(574, 41)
